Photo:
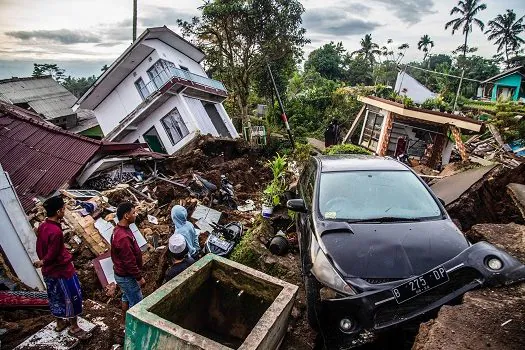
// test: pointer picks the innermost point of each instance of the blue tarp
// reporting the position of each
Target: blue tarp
(518, 147)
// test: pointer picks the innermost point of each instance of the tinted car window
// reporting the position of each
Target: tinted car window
(362, 195)
(307, 179)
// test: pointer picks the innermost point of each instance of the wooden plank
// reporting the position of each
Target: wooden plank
(355, 124)
(497, 136)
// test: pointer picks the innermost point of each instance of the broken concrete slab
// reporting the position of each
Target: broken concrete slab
(215, 304)
(47, 338)
(517, 193)
(451, 188)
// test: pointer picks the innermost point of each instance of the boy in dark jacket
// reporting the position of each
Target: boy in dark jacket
(178, 256)
(127, 259)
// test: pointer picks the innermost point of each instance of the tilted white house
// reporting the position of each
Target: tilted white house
(157, 92)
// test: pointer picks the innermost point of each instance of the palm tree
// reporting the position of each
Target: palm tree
(468, 9)
(368, 49)
(423, 45)
(506, 29)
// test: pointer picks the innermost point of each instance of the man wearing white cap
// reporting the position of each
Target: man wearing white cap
(178, 256)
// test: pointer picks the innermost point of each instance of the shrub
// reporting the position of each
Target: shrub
(346, 148)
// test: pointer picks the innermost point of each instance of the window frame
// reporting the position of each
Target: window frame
(181, 133)
(139, 89)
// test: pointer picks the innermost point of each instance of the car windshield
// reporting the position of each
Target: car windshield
(368, 195)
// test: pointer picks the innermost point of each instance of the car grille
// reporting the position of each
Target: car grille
(380, 280)
(397, 312)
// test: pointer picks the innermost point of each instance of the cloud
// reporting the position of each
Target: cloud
(359, 8)
(109, 44)
(61, 36)
(410, 11)
(337, 21)
(158, 16)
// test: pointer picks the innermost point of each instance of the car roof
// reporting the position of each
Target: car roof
(352, 162)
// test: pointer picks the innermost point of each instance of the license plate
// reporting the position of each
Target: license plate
(420, 285)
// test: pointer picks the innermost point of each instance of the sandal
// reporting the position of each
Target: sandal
(80, 334)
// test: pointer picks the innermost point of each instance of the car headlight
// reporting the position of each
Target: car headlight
(494, 263)
(325, 273)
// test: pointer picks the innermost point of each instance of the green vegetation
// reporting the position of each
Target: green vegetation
(275, 190)
(345, 149)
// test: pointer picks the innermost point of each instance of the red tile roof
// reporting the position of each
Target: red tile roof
(40, 157)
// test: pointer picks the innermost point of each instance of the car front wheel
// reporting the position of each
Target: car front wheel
(313, 300)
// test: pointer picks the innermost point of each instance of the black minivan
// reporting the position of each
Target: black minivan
(378, 248)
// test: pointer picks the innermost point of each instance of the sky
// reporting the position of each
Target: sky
(83, 35)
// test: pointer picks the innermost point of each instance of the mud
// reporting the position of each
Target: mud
(489, 318)
(488, 201)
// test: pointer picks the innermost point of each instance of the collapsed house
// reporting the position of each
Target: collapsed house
(157, 92)
(50, 101)
(390, 128)
(37, 159)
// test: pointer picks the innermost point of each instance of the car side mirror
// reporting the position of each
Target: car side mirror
(297, 205)
(442, 201)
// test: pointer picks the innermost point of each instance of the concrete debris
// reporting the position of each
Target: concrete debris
(48, 338)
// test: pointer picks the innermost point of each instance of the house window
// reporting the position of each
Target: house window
(142, 88)
(184, 68)
(174, 126)
(160, 72)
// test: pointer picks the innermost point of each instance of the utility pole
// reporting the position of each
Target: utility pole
(134, 20)
(283, 113)
(459, 90)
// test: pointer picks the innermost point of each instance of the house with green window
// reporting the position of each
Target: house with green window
(158, 93)
(509, 85)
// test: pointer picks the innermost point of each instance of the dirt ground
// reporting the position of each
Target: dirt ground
(488, 318)
(245, 168)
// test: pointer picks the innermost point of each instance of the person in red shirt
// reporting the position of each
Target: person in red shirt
(63, 287)
(127, 259)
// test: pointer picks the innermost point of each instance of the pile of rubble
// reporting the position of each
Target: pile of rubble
(492, 148)
(154, 189)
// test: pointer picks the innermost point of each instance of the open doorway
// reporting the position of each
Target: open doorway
(216, 119)
(153, 140)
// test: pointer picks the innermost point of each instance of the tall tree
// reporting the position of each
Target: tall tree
(506, 29)
(239, 37)
(78, 86)
(328, 60)
(467, 9)
(423, 45)
(40, 70)
(368, 49)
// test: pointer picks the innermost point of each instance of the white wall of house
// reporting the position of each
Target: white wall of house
(414, 89)
(168, 53)
(18, 240)
(154, 120)
(124, 98)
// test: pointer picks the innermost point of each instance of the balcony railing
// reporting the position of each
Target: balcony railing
(167, 74)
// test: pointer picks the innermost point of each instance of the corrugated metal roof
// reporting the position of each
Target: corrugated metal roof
(44, 95)
(40, 158)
